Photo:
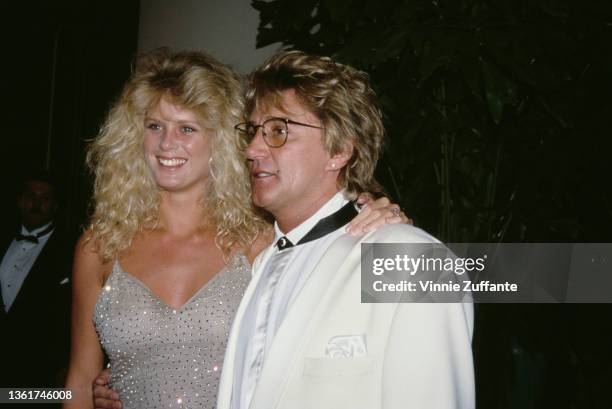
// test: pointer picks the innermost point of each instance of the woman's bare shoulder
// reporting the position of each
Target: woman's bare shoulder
(87, 258)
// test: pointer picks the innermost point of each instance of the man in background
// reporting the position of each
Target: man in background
(35, 289)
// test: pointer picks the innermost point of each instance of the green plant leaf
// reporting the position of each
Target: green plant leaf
(499, 90)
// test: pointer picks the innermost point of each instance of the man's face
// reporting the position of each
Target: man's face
(295, 177)
(37, 204)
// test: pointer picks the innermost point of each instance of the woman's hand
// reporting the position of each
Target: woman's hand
(375, 213)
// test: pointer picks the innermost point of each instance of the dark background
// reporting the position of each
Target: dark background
(63, 63)
(498, 116)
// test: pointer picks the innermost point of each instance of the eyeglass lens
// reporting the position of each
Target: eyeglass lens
(274, 131)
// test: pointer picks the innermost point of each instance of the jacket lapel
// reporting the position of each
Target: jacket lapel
(5, 242)
(298, 324)
(40, 280)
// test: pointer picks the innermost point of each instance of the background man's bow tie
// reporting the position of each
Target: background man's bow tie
(33, 238)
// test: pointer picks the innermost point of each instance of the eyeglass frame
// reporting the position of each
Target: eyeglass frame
(287, 121)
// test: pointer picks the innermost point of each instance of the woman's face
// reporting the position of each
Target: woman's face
(176, 148)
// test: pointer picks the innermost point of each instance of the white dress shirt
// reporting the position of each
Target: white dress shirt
(18, 261)
(283, 277)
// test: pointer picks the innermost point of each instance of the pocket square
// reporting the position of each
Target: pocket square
(347, 346)
(64, 281)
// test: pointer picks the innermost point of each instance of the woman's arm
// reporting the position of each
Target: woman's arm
(86, 357)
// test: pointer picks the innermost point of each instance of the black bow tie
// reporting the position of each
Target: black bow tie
(325, 226)
(33, 238)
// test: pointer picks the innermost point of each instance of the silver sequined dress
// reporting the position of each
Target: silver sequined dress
(162, 357)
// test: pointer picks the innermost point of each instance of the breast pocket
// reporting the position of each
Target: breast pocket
(341, 383)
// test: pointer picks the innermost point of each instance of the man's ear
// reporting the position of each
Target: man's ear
(340, 159)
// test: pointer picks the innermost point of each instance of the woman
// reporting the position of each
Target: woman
(167, 253)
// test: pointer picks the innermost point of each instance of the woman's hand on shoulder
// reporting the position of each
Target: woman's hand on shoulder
(375, 213)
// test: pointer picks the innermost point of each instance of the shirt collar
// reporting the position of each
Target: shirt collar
(333, 205)
(37, 230)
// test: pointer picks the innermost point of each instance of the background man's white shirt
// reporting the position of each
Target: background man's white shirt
(18, 261)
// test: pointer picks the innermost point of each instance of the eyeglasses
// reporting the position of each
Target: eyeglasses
(275, 130)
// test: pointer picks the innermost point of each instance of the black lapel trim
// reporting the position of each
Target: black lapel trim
(331, 223)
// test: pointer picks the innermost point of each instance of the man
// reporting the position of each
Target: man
(301, 337)
(35, 291)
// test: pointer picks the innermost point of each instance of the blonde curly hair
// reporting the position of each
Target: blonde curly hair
(340, 96)
(125, 197)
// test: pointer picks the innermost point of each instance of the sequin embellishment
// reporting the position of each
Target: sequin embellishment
(162, 357)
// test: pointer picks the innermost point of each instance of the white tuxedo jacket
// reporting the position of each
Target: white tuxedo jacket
(418, 355)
